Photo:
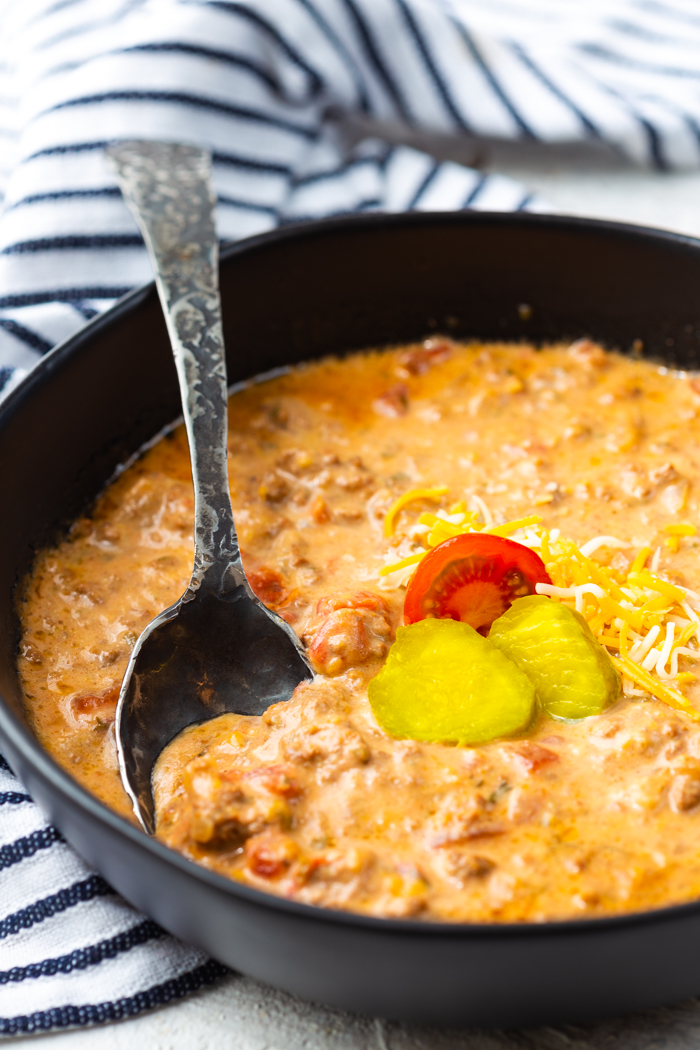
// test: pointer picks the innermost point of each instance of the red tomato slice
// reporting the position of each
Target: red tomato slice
(473, 578)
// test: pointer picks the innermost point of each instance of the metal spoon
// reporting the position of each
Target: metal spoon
(218, 648)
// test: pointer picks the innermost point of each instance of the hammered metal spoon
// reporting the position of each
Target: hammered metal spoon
(218, 648)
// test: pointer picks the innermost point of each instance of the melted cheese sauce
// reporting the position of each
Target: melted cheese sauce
(313, 800)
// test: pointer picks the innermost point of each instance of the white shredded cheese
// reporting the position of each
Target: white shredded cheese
(682, 650)
(482, 509)
(531, 539)
(666, 652)
(651, 659)
(555, 592)
(454, 519)
(587, 588)
(640, 649)
(418, 530)
(376, 506)
(571, 592)
(393, 581)
(597, 542)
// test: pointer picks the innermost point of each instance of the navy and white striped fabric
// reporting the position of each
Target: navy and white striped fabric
(265, 84)
(71, 951)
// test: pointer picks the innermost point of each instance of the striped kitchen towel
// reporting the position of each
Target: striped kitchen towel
(265, 85)
(71, 952)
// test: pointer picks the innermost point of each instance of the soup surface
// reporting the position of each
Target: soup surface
(314, 800)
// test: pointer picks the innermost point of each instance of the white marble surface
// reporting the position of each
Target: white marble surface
(240, 1013)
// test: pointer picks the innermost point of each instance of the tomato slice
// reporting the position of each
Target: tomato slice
(473, 578)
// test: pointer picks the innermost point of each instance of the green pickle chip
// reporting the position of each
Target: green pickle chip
(572, 674)
(444, 682)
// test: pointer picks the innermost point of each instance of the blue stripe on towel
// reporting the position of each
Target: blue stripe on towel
(70, 242)
(186, 98)
(80, 892)
(116, 1010)
(21, 849)
(63, 295)
(81, 958)
(25, 335)
(13, 798)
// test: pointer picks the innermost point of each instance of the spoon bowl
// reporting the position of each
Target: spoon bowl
(208, 654)
(218, 648)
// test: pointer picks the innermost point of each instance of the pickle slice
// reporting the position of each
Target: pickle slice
(572, 674)
(444, 682)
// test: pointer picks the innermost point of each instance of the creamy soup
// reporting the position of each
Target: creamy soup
(343, 472)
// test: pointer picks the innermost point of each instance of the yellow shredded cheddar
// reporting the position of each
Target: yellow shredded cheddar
(512, 526)
(680, 530)
(411, 560)
(403, 501)
(657, 688)
(641, 559)
(686, 634)
(649, 579)
(622, 643)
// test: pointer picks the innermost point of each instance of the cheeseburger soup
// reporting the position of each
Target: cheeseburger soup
(490, 553)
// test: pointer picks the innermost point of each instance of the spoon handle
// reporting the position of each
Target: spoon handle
(168, 188)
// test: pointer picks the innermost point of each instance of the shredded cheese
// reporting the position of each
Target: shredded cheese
(600, 541)
(512, 526)
(649, 622)
(658, 689)
(403, 501)
(411, 560)
(641, 559)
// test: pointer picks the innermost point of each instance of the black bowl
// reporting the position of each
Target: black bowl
(291, 295)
